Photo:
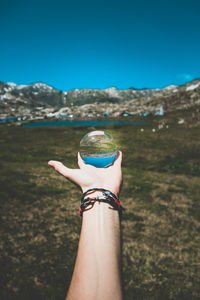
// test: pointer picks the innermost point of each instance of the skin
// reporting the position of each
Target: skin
(97, 271)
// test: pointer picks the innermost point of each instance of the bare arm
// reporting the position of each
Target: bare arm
(97, 269)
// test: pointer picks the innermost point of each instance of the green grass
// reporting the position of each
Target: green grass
(40, 224)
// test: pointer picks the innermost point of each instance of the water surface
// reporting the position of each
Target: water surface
(79, 123)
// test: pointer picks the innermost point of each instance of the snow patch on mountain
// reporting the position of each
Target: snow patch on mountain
(7, 96)
(170, 87)
(11, 84)
(21, 86)
(192, 87)
(41, 85)
(112, 91)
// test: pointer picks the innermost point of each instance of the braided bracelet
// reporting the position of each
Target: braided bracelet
(110, 198)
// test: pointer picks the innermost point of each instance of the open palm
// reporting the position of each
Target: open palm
(87, 176)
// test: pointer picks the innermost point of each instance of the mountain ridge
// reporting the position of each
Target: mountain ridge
(40, 99)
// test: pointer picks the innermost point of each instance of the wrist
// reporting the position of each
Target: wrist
(115, 191)
(101, 195)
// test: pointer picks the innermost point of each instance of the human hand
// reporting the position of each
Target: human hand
(88, 177)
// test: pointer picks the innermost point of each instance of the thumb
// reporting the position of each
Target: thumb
(80, 161)
(118, 161)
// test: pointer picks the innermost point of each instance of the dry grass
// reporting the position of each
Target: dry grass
(39, 212)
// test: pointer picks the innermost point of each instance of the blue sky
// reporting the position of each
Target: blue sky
(98, 44)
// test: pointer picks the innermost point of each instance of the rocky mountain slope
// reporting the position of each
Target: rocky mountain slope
(40, 100)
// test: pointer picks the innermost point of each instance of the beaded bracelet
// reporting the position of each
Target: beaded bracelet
(110, 198)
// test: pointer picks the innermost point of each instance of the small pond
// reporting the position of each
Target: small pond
(79, 123)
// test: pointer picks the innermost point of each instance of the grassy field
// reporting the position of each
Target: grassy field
(40, 224)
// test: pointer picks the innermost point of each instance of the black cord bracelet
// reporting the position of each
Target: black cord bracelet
(99, 190)
(110, 198)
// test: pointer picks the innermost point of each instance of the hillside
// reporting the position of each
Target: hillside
(38, 100)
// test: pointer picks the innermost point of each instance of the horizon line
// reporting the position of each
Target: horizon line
(134, 88)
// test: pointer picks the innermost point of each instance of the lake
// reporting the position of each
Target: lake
(80, 123)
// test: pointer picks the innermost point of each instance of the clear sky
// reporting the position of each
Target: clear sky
(100, 43)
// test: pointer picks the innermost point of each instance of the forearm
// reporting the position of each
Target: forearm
(98, 256)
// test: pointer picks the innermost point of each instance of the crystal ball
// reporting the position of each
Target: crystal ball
(97, 148)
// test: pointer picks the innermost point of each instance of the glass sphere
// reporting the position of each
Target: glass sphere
(97, 148)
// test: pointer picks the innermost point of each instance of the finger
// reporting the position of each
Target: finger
(60, 168)
(73, 175)
(118, 161)
(80, 161)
